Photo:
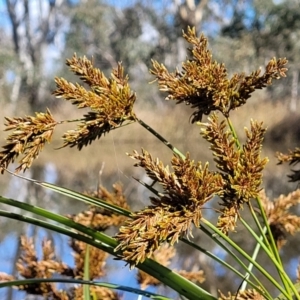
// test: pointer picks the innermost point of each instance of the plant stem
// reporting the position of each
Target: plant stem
(254, 256)
(268, 245)
(161, 138)
(265, 220)
(233, 132)
(286, 280)
(278, 262)
(217, 259)
(123, 288)
(106, 243)
(244, 254)
(237, 259)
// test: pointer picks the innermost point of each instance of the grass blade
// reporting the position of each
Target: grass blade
(85, 282)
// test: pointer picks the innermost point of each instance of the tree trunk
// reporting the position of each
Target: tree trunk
(294, 91)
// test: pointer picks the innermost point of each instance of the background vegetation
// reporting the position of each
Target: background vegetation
(37, 36)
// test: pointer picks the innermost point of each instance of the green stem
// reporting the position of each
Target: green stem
(217, 259)
(233, 132)
(123, 288)
(107, 244)
(86, 274)
(105, 239)
(238, 260)
(161, 138)
(282, 273)
(130, 121)
(248, 257)
(297, 288)
(211, 255)
(285, 279)
(269, 246)
(250, 267)
(265, 220)
(175, 281)
(148, 187)
(260, 243)
(74, 195)
(261, 230)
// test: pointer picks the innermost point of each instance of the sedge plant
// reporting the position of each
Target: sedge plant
(146, 238)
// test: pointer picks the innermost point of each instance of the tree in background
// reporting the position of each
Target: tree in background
(34, 28)
(271, 29)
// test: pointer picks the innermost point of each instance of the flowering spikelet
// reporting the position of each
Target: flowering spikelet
(203, 83)
(110, 100)
(242, 295)
(281, 221)
(241, 168)
(164, 256)
(29, 266)
(292, 158)
(97, 259)
(29, 136)
(98, 218)
(173, 212)
(97, 292)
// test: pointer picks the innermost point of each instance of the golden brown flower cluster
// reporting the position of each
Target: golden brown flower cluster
(242, 295)
(281, 221)
(99, 218)
(29, 136)
(292, 158)
(110, 100)
(241, 167)
(174, 211)
(190, 186)
(203, 83)
(164, 256)
(29, 266)
(96, 292)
